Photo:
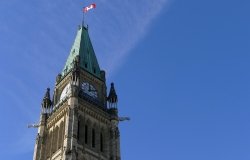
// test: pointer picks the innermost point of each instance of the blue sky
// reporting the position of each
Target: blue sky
(181, 70)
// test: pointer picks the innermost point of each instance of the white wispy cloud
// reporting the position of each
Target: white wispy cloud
(116, 27)
(119, 27)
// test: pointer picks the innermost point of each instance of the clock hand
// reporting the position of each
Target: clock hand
(91, 90)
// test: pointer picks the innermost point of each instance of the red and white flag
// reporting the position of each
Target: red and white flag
(86, 9)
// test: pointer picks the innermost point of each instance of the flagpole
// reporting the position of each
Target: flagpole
(83, 16)
(83, 19)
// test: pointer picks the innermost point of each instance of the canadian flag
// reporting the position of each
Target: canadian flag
(86, 9)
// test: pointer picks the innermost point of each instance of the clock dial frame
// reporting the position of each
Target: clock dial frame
(89, 90)
(65, 92)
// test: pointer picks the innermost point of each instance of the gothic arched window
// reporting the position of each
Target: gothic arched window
(53, 142)
(61, 133)
(101, 142)
(86, 134)
(93, 138)
(80, 134)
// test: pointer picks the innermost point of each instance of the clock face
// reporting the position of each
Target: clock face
(89, 90)
(65, 92)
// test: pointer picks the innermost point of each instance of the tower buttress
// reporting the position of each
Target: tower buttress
(40, 138)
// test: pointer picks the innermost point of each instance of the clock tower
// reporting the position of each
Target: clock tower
(80, 121)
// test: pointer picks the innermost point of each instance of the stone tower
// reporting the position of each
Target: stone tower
(81, 121)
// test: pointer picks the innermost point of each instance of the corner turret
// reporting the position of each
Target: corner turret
(112, 98)
(46, 103)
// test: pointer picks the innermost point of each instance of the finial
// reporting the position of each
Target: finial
(47, 94)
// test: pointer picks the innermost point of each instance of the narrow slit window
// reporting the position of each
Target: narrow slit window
(78, 130)
(93, 138)
(86, 134)
(101, 142)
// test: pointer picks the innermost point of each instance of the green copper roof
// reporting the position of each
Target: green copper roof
(83, 47)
